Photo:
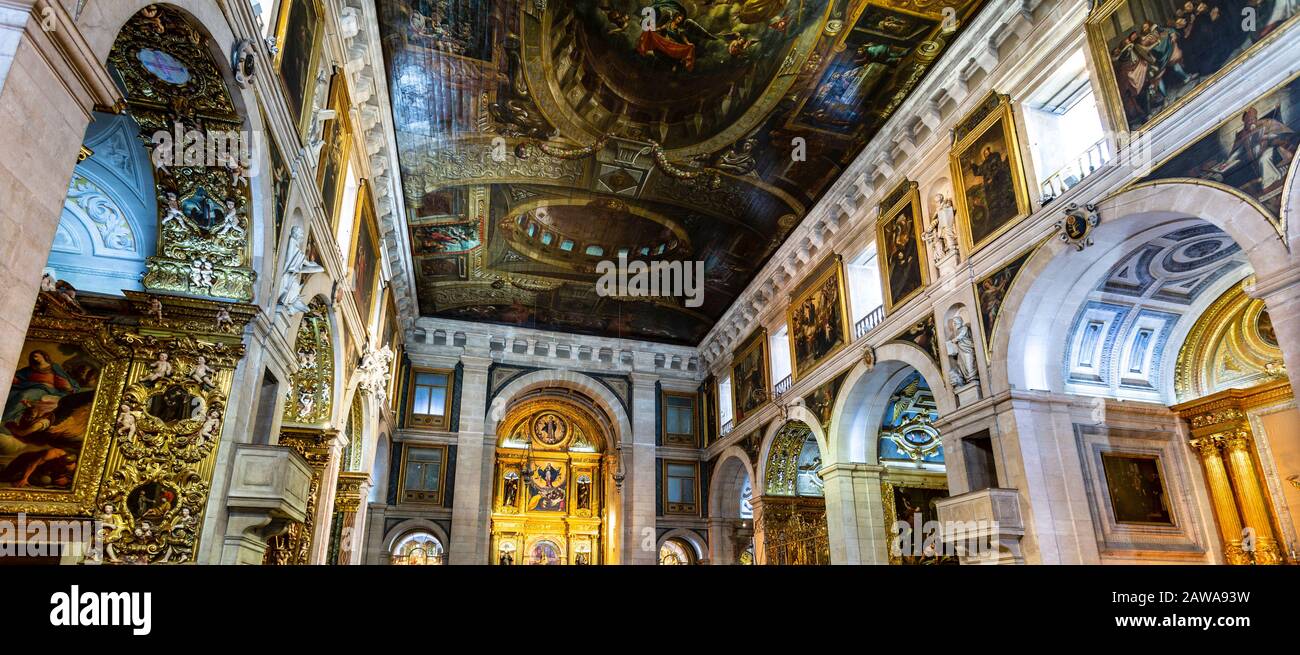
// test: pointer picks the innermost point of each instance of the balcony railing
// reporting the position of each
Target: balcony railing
(782, 386)
(1072, 173)
(869, 321)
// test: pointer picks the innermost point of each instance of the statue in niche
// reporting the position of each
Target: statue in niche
(584, 493)
(510, 490)
(506, 558)
(941, 234)
(961, 353)
(296, 265)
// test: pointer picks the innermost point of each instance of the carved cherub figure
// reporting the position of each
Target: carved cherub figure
(202, 373)
(230, 222)
(126, 422)
(155, 308)
(162, 367)
(224, 322)
(210, 427)
(173, 213)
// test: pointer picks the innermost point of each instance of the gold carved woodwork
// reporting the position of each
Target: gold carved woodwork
(347, 494)
(1232, 345)
(60, 320)
(793, 531)
(174, 88)
(549, 482)
(1223, 438)
(168, 418)
(311, 388)
(294, 545)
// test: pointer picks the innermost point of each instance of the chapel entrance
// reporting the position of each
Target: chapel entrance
(549, 486)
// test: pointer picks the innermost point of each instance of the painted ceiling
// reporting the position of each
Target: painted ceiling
(539, 137)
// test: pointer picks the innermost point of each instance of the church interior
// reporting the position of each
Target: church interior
(650, 282)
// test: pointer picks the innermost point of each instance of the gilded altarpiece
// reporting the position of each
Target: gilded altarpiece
(790, 516)
(200, 150)
(1234, 387)
(549, 485)
(307, 410)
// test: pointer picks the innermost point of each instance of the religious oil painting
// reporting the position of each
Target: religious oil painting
(47, 416)
(749, 375)
(547, 487)
(817, 318)
(298, 38)
(989, 178)
(1137, 490)
(337, 137)
(1252, 151)
(365, 255)
(913, 507)
(903, 264)
(1155, 54)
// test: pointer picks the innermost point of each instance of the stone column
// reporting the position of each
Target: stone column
(1250, 499)
(855, 516)
(52, 81)
(639, 542)
(1225, 508)
(1281, 295)
(472, 504)
(721, 546)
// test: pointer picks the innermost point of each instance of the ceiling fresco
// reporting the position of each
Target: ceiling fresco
(539, 137)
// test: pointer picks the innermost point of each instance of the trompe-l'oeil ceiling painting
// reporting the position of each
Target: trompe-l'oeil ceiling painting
(540, 137)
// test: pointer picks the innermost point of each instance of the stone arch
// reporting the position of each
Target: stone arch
(797, 414)
(407, 527)
(856, 415)
(726, 481)
(1034, 304)
(698, 549)
(536, 380)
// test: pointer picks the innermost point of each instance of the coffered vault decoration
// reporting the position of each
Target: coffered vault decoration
(1119, 336)
(537, 139)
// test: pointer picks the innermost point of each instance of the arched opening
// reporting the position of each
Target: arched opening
(731, 510)
(417, 548)
(790, 516)
(551, 479)
(675, 552)
(1155, 313)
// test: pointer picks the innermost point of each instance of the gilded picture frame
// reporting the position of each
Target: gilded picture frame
(751, 360)
(990, 133)
(336, 154)
(1100, 26)
(50, 335)
(365, 256)
(899, 229)
(307, 30)
(809, 309)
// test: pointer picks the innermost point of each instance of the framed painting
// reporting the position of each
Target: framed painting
(988, 175)
(903, 266)
(1252, 152)
(365, 255)
(336, 153)
(914, 506)
(1153, 56)
(298, 34)
(1136, 488)
(818, 318)
(750, 378)
(58, 422)
(281, 180)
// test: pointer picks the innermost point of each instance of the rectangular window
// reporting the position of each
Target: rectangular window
(422, 474)
(679, 420)
(680, 488)
(430, 402)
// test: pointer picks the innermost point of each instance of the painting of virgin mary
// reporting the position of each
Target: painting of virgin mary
(46, 416)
